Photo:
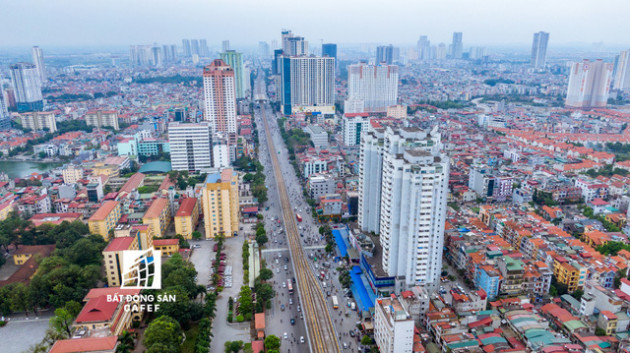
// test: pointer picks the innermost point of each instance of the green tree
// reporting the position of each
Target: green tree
(265, 274)
(163, 332)
(366, 340)
(272, 342)
(62, 321)
(196, 235)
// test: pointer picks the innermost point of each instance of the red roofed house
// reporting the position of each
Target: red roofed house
(96, 344)
(101, 316)
(168, 247)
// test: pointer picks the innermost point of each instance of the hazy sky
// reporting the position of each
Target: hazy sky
(245, 22)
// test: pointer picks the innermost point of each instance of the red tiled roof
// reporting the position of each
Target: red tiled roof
(121, 243)
(98, 292)
(186, 207)
(104, 211)
(97, 309)
(85, 345)
(165, 242)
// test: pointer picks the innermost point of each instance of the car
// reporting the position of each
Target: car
(301, 339)
(290, 301)
(282, 307)
(196, 246)
(286, 259)
(286, 268)
(286, 336)
(328, 293)
(299, 309)
(351, 333)
(277, 270)
(292, 321)
(293, 280)
(345, 345)
(284, 284)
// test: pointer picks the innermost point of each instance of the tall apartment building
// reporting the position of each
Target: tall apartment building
(191, 146)
(105, 218)
(621, 80)
(5, 117)
(187, 217)
(457, 47)
(38, 60)
(194, 47)
(424, 48)
(375, 85)
(235, 61)
(221, 204)
(393, 326)
(186, 48)
(307, 81)
(329, 49)
(539, 49)
(225, 45)
(101, 118)
(219, 96)
(403, 179)
(28, 87)
(352, 126)
(113, 257)
(385, 54)
(293, 45)
(203, 48)
(157, 216)
(440, 51)
(72, 174)
(589, 83)
(38, 121)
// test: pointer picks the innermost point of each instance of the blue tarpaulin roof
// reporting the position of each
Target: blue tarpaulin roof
(361, 295)
(343, 250)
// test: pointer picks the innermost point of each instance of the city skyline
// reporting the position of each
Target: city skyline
(495, 22)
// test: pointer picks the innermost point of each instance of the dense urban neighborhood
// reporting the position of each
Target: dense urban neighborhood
(293, 198)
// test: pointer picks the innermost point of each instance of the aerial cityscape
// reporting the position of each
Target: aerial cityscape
(453, 185)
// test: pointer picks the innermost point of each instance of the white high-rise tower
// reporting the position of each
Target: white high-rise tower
(375, 85)
(589, 84)
(38, 60)
(539, 49)
(621, 80)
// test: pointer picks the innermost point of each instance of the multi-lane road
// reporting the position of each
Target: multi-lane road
(321, 333)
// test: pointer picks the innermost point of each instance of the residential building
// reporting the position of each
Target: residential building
(235, 60)
(191, 146)
(293, 45)
(101, 317)
(102, 118)
(105, 218)
(569, 273)
(424, 48)
(318, 136)
(385, 54)
(412, 201)
(187, 217)
(107, 344)
(329, 49)
(512, 275)
(352, 126)
(219, 95)
(38, 60)
(113, 258)
(158, 216)
(38, 121)
(457, 47)
(375, 85)
(621, 76)
(167, 247)
(320, 185)
(5, 118)
(221, 204)
(27, 87)
(488, 278)
(72, 174)
(306, 81)
(393, 326)
(539, 49)
(370, 180)
(607, 321)
(589, 83)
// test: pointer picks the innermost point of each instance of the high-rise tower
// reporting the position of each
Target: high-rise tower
(219, 96)
(38, 60)
(589, 84)
(539, 49)
(375, 85)
(28, 87)
(621, 80)
(235, 60)
(307, 81)
(457, 46)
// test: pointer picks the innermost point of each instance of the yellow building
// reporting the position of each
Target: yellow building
(221, 204)
(25, 252)
(607, 321)
(168, 247)
(568, 274)
(187, 217)
(113, 258)
(157, 217)
(5, 209)
(110, 170)
(105, 218)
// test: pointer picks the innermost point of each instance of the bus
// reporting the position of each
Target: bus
(298, 217)
(335, 302)
(290, 286)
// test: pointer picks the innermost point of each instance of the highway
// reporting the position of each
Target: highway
(321, 332)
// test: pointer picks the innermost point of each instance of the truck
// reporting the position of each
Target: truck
(298, 217)
(335, 302)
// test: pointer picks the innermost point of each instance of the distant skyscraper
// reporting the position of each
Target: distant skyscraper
(203, 48)
(277, 61)
(5, 118)
(424, 48)
(385, 54)
(141, 55)
(375, 85)
(440, 51)
(293, 45)
(329, 49)
(589, 83)
(226, 45)
(191, 146)
(621, 79)
(457, 47)
(194, 47)
(157, 57)
(28, 87)
(307, 81)
(403, 186)
(539, 49)
(235, 60)
(187, 49)
(263, 49)
(38, 60)
(219, 96)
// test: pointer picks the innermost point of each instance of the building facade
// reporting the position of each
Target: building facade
(235, 60)
(191, 146)
(307, 81)
(105, 218)
(38, 121)
(38, 60)
(187, 217)
(101, 118)
(221, 204)
(589, 83)
(393, 326)
(539, 49)
(375, 85)
(352, 126)
(219, 93)
(621, 80)
(28, 87)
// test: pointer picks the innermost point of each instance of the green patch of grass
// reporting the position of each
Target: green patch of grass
(191, 339)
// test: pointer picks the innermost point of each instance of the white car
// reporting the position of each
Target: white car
(284, 284)
(301, 339)
(286, 336)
